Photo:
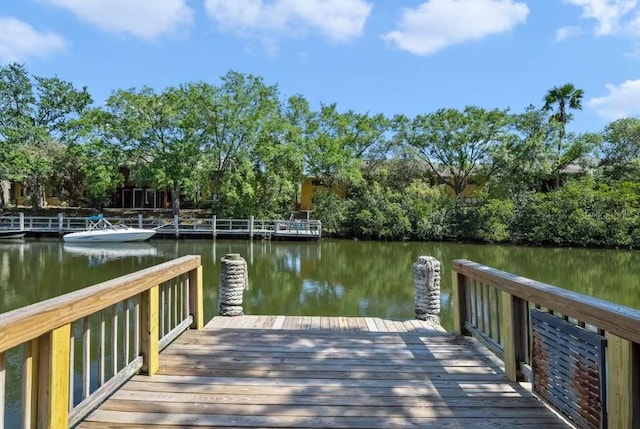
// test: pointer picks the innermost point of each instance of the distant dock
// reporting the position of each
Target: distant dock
(176, 227)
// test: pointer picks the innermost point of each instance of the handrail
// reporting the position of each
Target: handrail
(499, 309)
(616, 319)
(128, 319)
(23, 324)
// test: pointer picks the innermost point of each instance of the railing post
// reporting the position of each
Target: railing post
(512, 332)
(21, 221)
(176, 224)
(233, 282)
(196, 298)
(60, 222)
(214, 225)
(53, 380)
(140, 222)
(251, 227)
(149, 316)
(622, 383)
(459, 295)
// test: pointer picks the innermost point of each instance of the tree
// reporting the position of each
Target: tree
(35, 115)
(562, 99)
(458, 144)
(621, 149)
(160, 135)
(245, 137)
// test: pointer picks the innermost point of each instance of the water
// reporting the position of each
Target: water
(329, 278)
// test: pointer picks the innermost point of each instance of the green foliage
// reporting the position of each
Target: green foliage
(457, 144)
(237, 147)
(36, 114)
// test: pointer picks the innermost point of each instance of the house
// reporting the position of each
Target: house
(15, 193)
(134, 196)
(310, 187)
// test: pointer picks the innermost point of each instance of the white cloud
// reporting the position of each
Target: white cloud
(620, 102)
(436, 24)
(609, 14)
(20, 41)
(145, 19)
(269, 20)
(567, 32)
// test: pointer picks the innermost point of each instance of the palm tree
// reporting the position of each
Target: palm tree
(565, 97)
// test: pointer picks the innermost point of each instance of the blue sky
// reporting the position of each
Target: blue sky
(377, 56)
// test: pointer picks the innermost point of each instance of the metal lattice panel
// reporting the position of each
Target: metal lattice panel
(568, 364)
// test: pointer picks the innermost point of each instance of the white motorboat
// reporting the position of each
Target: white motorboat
(101, 230)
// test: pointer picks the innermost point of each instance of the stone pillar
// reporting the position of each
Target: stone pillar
(426, 278)
(233, 282)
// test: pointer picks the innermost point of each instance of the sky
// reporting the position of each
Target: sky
(376, 56)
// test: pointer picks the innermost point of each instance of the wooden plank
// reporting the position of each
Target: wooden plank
(616, 319)
(172, 384)
(23, 324)
(101, 349)
(149, 343)
(3, 378)
(623, 382)
(341, 410)
(371, 325)
(512, 331)
(342, 383)
(30, 374)
(53, 379)
(315, 323)
(459, 296)
(315, 421)
(360, 398)
(380, 324)
(114, 339)
(279, 322)
(196, 297)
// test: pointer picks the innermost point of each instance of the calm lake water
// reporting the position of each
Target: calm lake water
(328, 278)
(349, 278)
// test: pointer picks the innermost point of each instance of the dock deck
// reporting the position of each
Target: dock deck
(312, 372)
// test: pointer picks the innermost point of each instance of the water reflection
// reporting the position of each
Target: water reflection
(347, 278)
(99, 253)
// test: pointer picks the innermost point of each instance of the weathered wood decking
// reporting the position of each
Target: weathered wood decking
(312, 372)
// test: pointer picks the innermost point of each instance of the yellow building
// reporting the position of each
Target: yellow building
(18, 196)
(310, 188)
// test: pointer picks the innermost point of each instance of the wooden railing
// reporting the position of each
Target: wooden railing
(498, 308)
(78, 348)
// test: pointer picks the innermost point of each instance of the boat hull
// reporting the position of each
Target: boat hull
(109, 236)
(12, 234)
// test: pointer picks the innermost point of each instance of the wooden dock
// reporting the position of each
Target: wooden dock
(312, 372)
(175, 227)
(135, 352)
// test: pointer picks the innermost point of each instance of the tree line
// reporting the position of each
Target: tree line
(406, 178)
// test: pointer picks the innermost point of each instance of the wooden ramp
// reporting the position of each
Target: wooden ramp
(316, 372)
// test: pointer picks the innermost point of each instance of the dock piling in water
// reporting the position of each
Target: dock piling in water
(233, 281)
(426, 279)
